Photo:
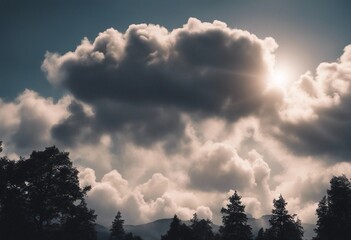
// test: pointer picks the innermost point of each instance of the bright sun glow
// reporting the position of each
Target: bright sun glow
(279, 79)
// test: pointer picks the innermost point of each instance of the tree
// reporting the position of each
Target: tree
(53, 191)
(177, 231)
(334, 211)
(117, 229)
(42, 194)
(235, 220)
(130, 236)
(323, 220)
(283, 225)
(201, 229)
(80, 224)
(13, 211)
(260, 235)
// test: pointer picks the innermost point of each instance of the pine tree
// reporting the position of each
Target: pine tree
(235, 220)
(323, 221)
(283, 225)
(177, 231)
(117, 229)
(201, 229)
(334, 211)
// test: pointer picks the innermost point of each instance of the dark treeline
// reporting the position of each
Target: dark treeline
(334, 211)
(283, 226)
(40, 198)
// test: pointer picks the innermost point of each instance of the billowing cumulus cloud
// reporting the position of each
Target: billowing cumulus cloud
(154, 187)
(203, 69)
(26, 123)
(315, 119)
(220, 168)
(112, 194)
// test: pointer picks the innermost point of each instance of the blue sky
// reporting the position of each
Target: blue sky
(170, 106)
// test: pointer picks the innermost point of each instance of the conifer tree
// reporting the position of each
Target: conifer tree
(283, 225)
(117, 228)
(234, 220)
(322, 221)
(334, 211)
(177, 231)
(201, 229)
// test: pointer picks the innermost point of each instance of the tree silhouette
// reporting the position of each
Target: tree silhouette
(334, 211)
(283, 225)
(260, 235)
(42, 194)
(177, 231)
(80, 224)
(323, 220)
(117, 229)
(235, 220)
(201, 229)
(13, 212)
(130, 236)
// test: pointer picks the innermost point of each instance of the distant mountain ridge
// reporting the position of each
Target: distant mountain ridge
(154, 230)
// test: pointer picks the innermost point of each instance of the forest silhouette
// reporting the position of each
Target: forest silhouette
(40, 198)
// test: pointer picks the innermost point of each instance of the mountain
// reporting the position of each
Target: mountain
(154, 230)
(150, 231)
(103, 233)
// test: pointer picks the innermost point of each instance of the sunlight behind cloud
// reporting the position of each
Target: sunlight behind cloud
(279, 78)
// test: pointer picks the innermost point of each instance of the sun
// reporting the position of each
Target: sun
(279, 79)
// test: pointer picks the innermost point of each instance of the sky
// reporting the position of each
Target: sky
(167, 107)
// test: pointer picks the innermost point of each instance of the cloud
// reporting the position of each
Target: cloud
(154, 187)
(161, 122)
(77, 126)
(145, 78)
(219, 168)
(136, 206)
(26, 123)
(315, 118)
